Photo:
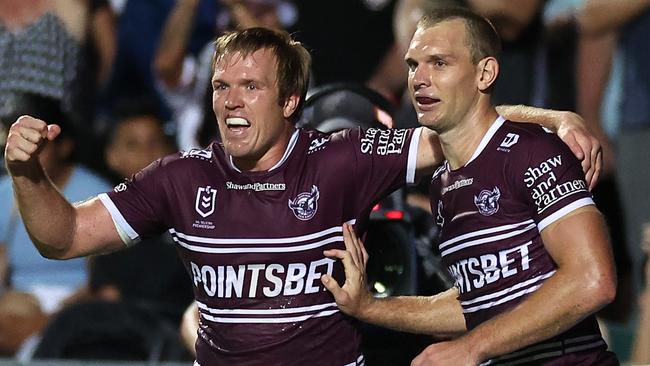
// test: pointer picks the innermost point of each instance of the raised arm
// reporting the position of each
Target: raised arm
(602, 16)
(172, 48)
(58, 229)
(440, 315)
(583, 283)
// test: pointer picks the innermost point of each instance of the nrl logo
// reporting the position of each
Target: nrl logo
(304, 206)
(488, 201)
(205, 201)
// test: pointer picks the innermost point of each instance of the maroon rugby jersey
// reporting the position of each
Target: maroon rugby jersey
(491, 211)
(253, 241)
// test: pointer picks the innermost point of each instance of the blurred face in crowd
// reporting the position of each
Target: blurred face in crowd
(442, 78)
(137, 142)
(253, 121)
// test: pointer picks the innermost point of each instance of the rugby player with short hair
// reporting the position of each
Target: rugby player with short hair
(251, 214)
(518, 228)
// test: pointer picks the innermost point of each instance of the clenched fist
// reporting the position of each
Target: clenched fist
(26, 137)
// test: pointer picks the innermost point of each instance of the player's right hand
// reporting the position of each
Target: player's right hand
(25, 140)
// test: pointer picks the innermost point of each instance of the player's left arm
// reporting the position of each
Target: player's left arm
(569, 126)
(584, 282)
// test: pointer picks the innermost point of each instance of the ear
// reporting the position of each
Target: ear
(290, 105)
(487, 73)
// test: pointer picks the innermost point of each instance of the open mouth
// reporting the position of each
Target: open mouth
(426, 101)
(237, 123)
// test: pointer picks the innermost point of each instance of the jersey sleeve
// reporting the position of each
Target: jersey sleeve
(384, 160)
(551, 179)
(138, 205)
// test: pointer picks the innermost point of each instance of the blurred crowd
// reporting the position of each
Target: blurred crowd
(129, 82)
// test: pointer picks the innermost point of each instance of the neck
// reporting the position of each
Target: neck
(270, 158)
(459, 143)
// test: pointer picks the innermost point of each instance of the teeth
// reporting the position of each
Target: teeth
(236, 121)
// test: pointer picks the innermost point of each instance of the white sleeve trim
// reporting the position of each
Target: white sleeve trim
(126, 232)
(413, 155)
(563, 211)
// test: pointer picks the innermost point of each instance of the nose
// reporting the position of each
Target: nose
(233, 100)
(419, 78)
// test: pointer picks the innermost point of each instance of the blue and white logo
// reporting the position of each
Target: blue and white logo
(305, 205)
(205, 201)
(488, 201)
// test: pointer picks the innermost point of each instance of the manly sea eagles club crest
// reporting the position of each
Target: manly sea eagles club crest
(205, 201)
(305, 204)
(487, 202)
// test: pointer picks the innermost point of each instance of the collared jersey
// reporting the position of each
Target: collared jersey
(253, 241)
(490, 213)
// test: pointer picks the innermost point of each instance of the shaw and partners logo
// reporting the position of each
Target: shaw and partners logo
(206, 198)
(305, 205)
(487, 201)
(257, 187)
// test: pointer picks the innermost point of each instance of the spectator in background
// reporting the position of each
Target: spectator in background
(183, 77)
(140, 28)
(620, 29)
(159, 283)
(44, 285)
(578, 84)
(57, 49)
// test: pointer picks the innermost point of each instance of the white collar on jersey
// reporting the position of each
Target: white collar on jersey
(486, 138)
(287, 152)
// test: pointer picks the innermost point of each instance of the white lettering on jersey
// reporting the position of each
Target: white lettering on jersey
(475, 272)
(229, 281)
(543, 201)
(457, 184)
(532, 174)
(368, 140)
(387, 141)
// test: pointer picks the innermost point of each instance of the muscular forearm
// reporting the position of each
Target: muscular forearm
(584, 282)
(47, 215)
(439, 315)
(601, 16)
(169, 58)
(556, 306)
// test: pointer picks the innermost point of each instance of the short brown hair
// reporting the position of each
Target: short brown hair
(293, 60)
(483, 40)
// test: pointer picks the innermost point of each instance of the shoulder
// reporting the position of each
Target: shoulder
(528, 139)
